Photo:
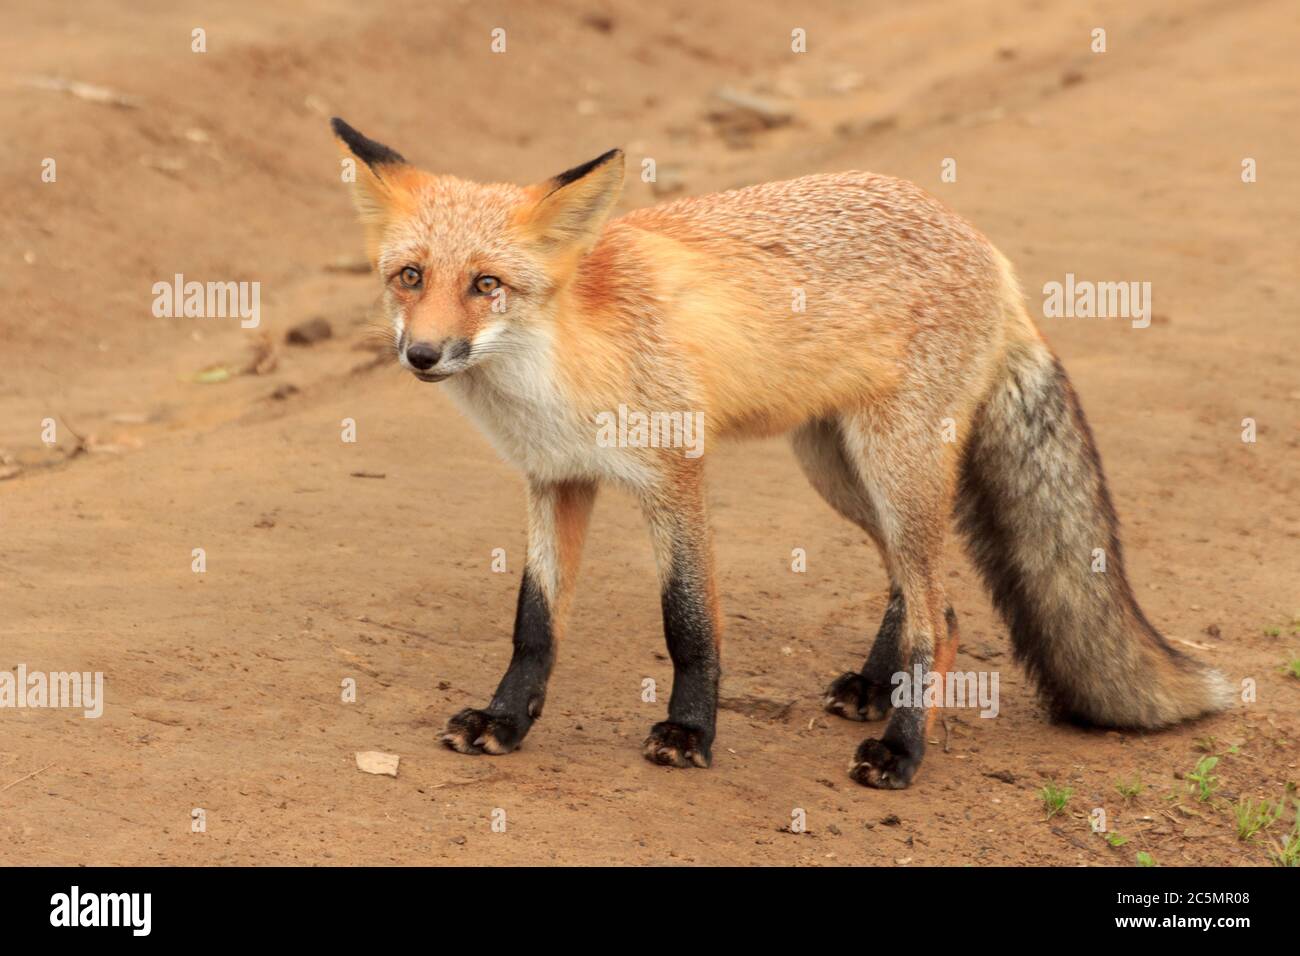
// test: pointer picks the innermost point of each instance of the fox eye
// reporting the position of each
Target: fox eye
(486, 285)
(411, 277)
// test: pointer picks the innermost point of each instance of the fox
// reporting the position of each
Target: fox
(853, 312)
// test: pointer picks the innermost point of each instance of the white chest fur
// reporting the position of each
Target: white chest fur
(514, 398)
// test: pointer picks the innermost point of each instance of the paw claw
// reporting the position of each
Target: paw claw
(672, 745)
(481, 732)
(877, 764)
(853, 697)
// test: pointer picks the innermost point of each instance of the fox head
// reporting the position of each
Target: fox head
(464, 265)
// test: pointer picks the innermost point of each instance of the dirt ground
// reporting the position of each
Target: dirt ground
(223, 688)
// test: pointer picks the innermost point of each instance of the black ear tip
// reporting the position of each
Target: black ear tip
(577, 172)
(365, 149)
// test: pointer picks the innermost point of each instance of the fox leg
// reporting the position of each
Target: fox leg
(558, 515)
(910, 478)
(819, 447)
(679, 528)
(867, 695)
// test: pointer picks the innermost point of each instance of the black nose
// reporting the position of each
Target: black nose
(423, 356)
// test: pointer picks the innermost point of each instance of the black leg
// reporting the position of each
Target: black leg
(557, 524)
(687, 735)
(892, 761)
(680, 532)
(519, 697)
(866, 695)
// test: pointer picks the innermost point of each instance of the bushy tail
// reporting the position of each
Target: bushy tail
(1034, 507)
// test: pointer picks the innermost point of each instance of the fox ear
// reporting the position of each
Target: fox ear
(379, 181)
(572, 207)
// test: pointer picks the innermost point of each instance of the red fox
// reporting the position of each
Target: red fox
(853, 311)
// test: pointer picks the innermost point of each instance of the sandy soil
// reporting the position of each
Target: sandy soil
(223, 688)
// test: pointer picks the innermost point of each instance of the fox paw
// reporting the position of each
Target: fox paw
(853, 697)
(676, 746)
(878, 764)
(481, 732)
